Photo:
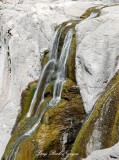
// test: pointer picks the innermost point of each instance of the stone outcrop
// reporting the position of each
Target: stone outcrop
(97, 57)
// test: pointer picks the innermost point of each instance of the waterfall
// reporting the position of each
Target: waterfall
(55, 43)
(46, 74)
(60, 78)
(54, 66)
(61, 71)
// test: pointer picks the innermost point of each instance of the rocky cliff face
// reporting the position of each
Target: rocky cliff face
(97, 54)
(26, 30)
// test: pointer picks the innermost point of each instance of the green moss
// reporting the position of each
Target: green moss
(27, 97)
(58, 120)
(45, 59)
(114, 131)
(67, 117)
(17, 132)
(71, 60)
(71, 92)
(74, 22)
(64, 29)
(27, 150)
(89, 11)
(49, 91)
(95, 10)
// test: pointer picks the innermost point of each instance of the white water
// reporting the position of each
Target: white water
(43, 81)
(55, 44)
(61, 71)
(53, 57)
(60, 79)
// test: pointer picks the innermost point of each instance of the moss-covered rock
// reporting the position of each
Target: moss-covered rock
(27, 149)
(89, 11)
(49, 91)
(64, 29)
(27, 96)
(71, 59)
(58, 128)
(45, 58)
(22, 127)
(101, 128)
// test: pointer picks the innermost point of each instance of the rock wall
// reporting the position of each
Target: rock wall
(109, 153)
(97, 57)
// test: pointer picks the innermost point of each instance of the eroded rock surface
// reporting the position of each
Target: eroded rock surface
(97, 57)
(109, 153)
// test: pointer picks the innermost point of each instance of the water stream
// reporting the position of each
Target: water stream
(61, 69)
(58, 68)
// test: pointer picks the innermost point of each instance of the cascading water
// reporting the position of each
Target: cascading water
(54, 66)
(55, 43)
(61, 71)
(42, 84)
(43, 80)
